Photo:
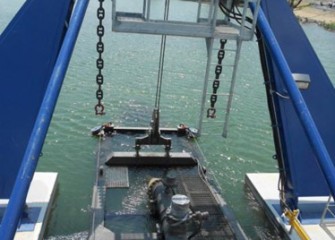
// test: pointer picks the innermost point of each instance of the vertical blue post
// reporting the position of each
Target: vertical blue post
(320, 150)
(17, 200)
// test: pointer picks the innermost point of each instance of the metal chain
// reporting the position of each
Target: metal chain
(211, 111)
(99, 108)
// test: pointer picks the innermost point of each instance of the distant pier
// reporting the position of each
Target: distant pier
(320, 12)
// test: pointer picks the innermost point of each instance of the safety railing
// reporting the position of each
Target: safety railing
(17, 200)
(207, 22)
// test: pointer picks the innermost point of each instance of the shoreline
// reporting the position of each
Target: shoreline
(313, 12)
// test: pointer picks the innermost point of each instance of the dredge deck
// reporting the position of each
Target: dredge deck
(124, 204)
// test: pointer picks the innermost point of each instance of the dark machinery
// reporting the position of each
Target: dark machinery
(177, 221)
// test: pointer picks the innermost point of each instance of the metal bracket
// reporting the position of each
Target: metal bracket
(153, 137)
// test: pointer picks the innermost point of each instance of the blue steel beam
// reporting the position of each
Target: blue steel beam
(324, 160)
(17, 200)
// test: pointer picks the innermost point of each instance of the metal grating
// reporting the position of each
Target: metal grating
(200, 195)
(202, 199)
(204, 202)
(116, 177)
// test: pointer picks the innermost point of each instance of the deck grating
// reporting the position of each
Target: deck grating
(202, 199)
(116, 177)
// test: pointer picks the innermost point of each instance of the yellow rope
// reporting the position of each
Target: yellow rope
(295, 224)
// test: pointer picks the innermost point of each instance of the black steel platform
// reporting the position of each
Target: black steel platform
(120, 211)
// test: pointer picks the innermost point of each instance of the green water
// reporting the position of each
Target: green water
(131, 63)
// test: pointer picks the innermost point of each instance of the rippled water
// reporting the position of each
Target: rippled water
(131, 71)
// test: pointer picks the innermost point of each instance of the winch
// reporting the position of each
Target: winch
(176, 220)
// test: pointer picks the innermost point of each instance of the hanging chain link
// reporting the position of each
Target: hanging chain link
(211, 111)
(99, 108)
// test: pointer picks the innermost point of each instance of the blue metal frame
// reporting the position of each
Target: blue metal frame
(29, 47)
(33, 150)
(323, 157)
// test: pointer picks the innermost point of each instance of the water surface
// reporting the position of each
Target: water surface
(131, 63)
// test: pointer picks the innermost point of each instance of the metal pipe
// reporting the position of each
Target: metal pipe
(148, 10)
(320, 150)
(199, 11)
(254, 17)
(17, 200)
(210, 12)
(215, 13)
(295, 224)
(144, 7)
(162, 58)
(245, 7)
